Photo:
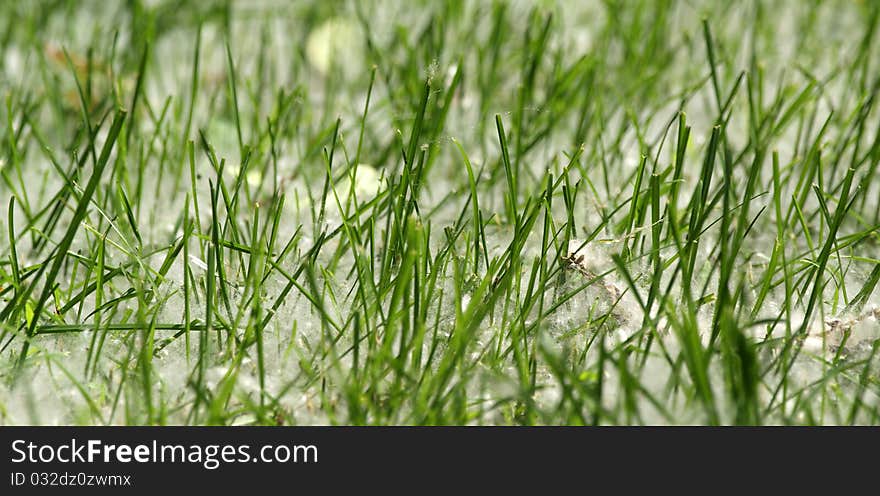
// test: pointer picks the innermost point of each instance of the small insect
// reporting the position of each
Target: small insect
(576, 262)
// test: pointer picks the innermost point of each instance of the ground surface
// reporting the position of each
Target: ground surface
(616, 212)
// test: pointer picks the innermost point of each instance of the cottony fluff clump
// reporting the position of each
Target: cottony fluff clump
(335, 44)
(848, 331)
(591, 262)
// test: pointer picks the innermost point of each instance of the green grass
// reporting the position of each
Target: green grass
(641, 212)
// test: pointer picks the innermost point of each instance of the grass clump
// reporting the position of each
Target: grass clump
(464, 213)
